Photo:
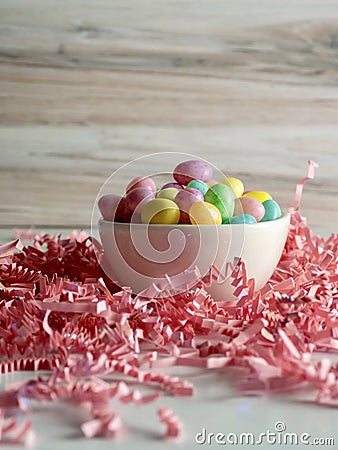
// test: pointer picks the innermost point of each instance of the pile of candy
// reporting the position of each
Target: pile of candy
(59, 312)
(194, 198)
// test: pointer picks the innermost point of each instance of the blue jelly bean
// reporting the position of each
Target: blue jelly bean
(198, 184)
(272, 211)
(243, 218)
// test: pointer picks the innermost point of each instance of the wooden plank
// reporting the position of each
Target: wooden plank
(74, 96)
(168, 33)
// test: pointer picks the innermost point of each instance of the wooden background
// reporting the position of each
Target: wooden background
(86, 86)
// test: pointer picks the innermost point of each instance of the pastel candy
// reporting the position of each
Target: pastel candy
(138, 196)
(135, 217)
(235, 184)
(261, 196)
(184, 199)
(111, 207)
(169, 193)
(204, 213)
(199, 185)
(193, 190)
(160, 210)
(251, 206)
(222, 197)
(126, 217)
(172, 185)
(242, 218)
(272, 211)
(192, 170)
(144, 182)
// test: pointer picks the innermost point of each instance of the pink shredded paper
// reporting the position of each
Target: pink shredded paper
(59, 312)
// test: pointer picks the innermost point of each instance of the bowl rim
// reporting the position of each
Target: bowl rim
(284, 217)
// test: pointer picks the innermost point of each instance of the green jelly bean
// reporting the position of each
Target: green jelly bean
(222, 197)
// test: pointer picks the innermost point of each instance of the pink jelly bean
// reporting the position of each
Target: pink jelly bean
(192, 170)
(172, 185)
(111, 207)
(126, 216)
(184, 199)
(135, 218)
(138, 197)
(142, 182)
(248, 205)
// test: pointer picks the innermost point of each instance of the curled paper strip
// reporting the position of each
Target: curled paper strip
(60, 312)
(299, 189)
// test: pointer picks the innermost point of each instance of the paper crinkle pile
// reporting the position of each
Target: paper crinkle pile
(59, 312)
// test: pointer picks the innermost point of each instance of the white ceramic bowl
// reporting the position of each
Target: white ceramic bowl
(172, 249)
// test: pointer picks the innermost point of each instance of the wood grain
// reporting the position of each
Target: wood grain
(87, 87)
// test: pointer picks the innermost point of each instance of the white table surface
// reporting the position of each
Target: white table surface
(216, 406)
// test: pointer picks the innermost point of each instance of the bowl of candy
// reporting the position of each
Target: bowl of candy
(170, 237)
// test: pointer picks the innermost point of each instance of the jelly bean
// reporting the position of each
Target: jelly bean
(192, 185)
(248, 205)
(172, 185)
(235, 184)
(242, 218)
(144, 182)
(222, 197)
(184, 199)
(134, 217)
(192, 170)
(204, 213)
(160, 210)
(169, 193)
(126, 216)
(137, 197)
(272, 211)
(111, 207)
(258, 195)
(199, 185)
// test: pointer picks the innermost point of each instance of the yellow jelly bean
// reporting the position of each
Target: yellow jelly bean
(204, 213)
(160, 210)
(235, 184)
(169, 193)
(261, 196)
